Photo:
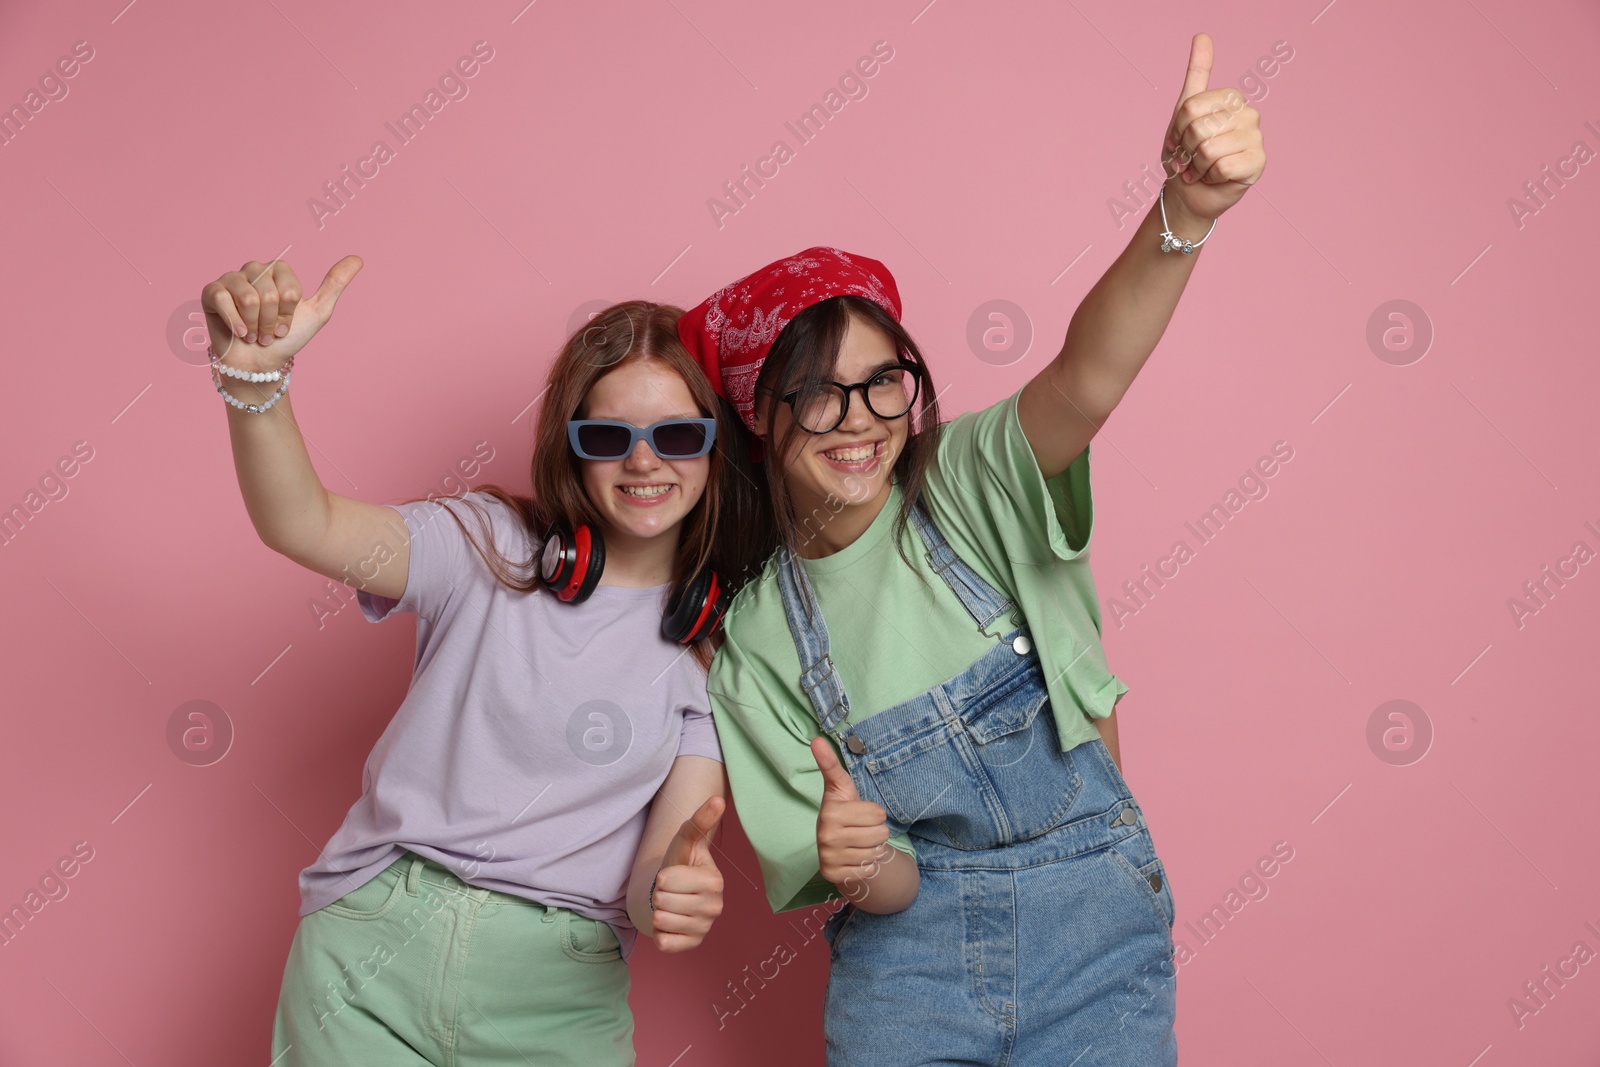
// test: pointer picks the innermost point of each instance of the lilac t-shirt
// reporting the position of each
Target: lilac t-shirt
(533, 738)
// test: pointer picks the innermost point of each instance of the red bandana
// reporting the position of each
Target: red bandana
(731, 332)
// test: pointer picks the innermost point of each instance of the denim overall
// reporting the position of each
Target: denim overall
(1041, 933)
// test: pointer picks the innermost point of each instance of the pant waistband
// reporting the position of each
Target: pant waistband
(416, 869)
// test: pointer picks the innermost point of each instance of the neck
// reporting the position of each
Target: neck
(838, 531)
(636, 563)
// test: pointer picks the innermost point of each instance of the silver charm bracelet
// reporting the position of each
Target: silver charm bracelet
(1171, 242)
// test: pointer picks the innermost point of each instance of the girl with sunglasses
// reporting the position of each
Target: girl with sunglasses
(913, 700)
(531, 808)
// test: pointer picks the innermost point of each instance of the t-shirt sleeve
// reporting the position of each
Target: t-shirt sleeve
(441, 560)
(777, 788)
(986, 493)
(699, 734)
(986, 479)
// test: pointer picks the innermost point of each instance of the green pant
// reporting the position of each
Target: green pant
(417, 967)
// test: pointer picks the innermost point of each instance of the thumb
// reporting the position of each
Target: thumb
(338, 276)
(836, 783)
(692, 843)
(1198, 75)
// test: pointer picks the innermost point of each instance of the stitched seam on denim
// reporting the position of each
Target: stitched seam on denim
(1145, 891)
(1068, 799)
(966, 748)
(1085, 836)
(979, 978)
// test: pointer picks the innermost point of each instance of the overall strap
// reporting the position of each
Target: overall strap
(981, 600)
(818, 676)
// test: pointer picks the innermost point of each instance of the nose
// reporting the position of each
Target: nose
(857, 416)
(642, 458)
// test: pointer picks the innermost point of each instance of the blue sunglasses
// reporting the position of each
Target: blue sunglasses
(668, 438)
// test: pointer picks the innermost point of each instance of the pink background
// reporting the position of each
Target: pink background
(1420, 497)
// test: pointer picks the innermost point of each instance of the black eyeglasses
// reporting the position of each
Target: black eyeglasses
(889, 394)
(668, 438)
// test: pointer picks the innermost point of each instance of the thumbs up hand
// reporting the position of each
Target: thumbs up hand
(1213, 143)
(851, 832)
(688, 887)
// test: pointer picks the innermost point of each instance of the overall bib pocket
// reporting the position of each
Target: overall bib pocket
(972, 782)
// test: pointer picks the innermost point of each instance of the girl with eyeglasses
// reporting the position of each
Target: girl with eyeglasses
(913, 700)
(551, 783)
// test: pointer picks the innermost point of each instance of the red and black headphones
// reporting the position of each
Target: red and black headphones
(573, 561)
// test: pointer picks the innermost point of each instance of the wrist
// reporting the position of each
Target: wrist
(1181, 221)
(1182, 230)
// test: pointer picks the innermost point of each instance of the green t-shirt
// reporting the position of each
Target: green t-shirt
(893, 636)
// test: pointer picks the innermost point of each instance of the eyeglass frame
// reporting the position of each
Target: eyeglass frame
(638, 433)
(915, 370)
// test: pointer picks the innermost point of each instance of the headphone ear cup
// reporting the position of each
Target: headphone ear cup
(695, 610)
(572, 562)
(591, 561)
(719, 607)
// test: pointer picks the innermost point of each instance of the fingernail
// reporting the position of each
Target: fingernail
(238, 331)
(250, 336)
(283, 328)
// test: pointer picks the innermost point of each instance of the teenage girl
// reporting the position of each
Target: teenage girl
(551, 782)
(920, 665)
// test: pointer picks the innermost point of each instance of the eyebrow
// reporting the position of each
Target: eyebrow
(892, 364)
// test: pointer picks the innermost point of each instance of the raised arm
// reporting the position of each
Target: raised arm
(1212, 154)
(257, 317)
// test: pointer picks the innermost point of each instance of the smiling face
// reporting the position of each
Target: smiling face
(852, 463)
(642, 497)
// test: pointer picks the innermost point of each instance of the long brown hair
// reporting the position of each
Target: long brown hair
(624, 333)
(806, 354)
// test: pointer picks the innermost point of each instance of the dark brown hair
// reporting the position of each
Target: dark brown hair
(624, 333)
(806, 354)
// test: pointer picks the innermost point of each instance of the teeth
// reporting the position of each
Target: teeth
(645, 491)
(852, 455)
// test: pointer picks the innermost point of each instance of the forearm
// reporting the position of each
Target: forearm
(1120, 321)
(285, 499)
(888, 886)
(691, 782)
(1108, 734)
(645, 865)
(1112, 333)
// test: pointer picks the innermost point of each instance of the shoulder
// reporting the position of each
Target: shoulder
(755, 607)
(977, 433)
(755, 633)
(490, 519)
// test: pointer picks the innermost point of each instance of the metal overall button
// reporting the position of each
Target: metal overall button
(1155, 882)
(1128, 817)
(855, 744)
(1021, 645)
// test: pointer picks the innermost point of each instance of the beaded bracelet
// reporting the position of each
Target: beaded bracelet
(246, 375)
(1171, 242)
(219, 368)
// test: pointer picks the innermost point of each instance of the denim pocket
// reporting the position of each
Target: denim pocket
(1135, 856)
(837, 926)
(373, 899)
(587, 940)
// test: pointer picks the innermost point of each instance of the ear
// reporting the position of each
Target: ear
(762, 413)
